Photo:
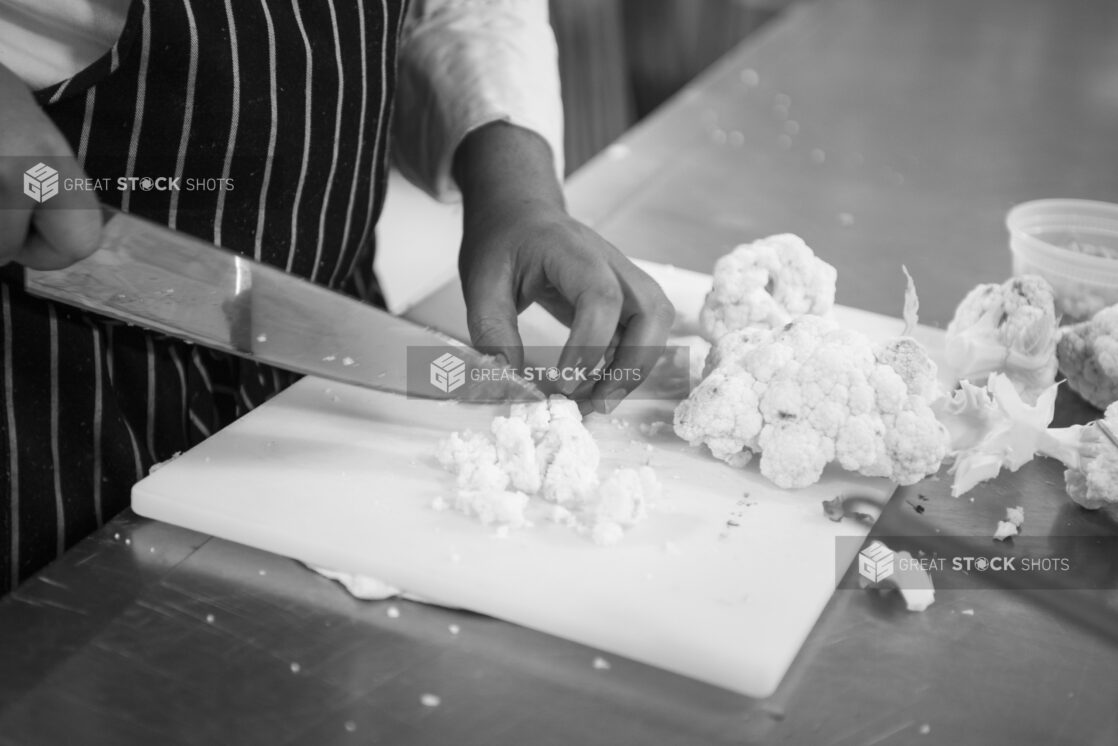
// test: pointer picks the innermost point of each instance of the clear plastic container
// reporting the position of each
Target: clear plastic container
(1072, 243)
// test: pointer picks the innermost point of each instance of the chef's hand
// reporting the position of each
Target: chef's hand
(41, 236)
(520, 246)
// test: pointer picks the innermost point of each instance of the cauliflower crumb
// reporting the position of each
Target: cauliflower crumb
(430, 700)
(1005, 530)
(392, 612)
(1016, 516)
(766, 284)
(601, 664)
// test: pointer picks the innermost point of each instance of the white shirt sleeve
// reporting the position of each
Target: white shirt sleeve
(464, 64)
(46, 41)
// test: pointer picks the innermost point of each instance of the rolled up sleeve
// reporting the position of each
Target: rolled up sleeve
(465, 64)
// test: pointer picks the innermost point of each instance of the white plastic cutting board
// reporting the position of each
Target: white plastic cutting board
(722, 582)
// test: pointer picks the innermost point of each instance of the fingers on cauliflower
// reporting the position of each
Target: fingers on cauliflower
(766, 284)
(1009, 328)
(1088, 355)
(812, 393)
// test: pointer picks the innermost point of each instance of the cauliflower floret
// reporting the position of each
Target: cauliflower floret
(810, 394)
(916, 442)
(860, 443)
(1093, 481)
(734, 346)
(1009, 328)
(912, 363)
(766, 284)
(723, 413)
(1088, 355)
(793, 455)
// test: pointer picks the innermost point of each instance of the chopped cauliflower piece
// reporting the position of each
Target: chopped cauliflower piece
(1005, 530)
(1016, 516)
(473, 459)
(569, 458)
(516, 452)
(766, 284)
(1088, 355)
(543, 449)
(1009, 328)
(810, 394)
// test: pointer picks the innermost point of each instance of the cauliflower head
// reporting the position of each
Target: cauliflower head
(766, 284)
(811, 394)
(1009, 328)
(1088, 355)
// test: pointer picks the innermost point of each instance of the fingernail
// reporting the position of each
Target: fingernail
(568, 387)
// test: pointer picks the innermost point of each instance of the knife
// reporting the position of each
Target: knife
(149, 275)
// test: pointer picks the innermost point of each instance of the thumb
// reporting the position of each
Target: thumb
(491, 318)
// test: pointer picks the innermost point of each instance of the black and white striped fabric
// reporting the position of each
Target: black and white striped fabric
(287, 100)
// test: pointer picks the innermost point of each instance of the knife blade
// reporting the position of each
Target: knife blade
(151, 276)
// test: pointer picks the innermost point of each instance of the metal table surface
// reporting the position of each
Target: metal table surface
(883, 131)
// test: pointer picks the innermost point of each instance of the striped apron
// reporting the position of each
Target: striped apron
(287, 100)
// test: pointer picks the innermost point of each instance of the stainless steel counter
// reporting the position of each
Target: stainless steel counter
(882, 131)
